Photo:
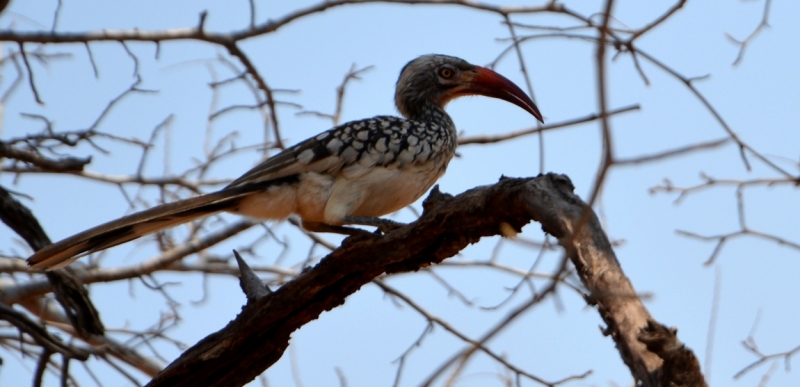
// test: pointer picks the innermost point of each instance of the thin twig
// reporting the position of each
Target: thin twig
(744, 43)
(30, 74)
(524, 69)
(671, 153)
(478, 345)
(486, 139)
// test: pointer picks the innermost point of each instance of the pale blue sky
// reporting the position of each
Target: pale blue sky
(758, 98)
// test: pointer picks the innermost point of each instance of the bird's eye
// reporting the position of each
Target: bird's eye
(446, 72)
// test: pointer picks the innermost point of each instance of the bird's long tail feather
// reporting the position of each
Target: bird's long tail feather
(134, 226)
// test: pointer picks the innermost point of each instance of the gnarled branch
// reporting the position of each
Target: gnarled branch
(449, 224)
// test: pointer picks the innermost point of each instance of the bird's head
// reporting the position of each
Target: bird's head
(437, 79)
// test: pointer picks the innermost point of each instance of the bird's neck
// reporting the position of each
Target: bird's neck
(430, 113)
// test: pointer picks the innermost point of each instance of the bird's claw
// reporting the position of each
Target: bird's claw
(383, 225)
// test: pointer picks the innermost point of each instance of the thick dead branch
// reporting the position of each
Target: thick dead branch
(681, 367)
(449, 224)
(250, 283)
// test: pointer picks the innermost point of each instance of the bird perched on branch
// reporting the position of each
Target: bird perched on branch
(351, 174)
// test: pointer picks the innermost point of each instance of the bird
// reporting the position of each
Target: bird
(353, 173)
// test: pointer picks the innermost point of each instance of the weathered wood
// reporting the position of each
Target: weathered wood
(257, 338)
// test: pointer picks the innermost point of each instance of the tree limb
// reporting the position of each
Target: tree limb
(69, 291)
(449, 224)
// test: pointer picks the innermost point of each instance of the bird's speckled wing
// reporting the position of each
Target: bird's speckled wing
(354, 147)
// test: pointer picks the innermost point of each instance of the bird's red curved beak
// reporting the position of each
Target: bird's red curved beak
(491, 84)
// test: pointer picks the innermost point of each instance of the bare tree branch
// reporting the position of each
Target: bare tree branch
(69, 291)
(63, 164)
(448, 225)
(764, 24)
(485, 139)
(39, 334)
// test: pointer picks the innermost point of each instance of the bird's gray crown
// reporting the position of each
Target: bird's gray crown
(421, 87)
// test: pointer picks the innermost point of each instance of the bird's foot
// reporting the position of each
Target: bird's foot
(324, 227)
(384, 225)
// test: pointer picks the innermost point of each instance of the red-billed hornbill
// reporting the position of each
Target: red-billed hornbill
(350, 174)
